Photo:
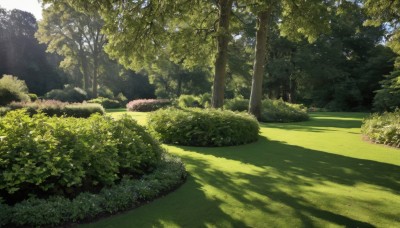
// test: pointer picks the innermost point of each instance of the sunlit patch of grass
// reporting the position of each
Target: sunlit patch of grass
(317, 173)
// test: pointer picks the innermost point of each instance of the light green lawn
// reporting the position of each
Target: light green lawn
(317, 173)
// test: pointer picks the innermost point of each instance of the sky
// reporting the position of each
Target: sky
(32, 6)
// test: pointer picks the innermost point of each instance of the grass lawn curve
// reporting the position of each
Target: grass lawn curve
(318, 173)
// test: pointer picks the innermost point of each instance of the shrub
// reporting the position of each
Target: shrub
(122, 99)
(106, 102)
(56, 210)
(12, 89)
(58, 108)
(188, 101)
(205, 100)
(196, 127)
(237, 104)
(106, 92)
(54, 155)
(68, 94)
(280, 111)
(384, 128)
(147, 105)
(33, 97)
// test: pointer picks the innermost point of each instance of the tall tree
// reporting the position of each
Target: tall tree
(75, 36)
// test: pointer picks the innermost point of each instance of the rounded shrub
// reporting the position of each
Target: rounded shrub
(106, 102)
(197, 127)
(68, 94)
(12, 89)
(188, 101)
(43, 155)
(383, 128)
(280, 111)
(147, 105)
(237, 104)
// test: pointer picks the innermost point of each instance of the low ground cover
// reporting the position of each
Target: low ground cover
(317, 173)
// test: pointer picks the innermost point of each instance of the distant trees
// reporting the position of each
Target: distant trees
(22, 56)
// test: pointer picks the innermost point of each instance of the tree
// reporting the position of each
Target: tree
(75, 36)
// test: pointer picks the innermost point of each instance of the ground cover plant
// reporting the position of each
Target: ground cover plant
(147, 105)
(198, 127)
(51, 167)
(383, 128)
(317, 173)
(57, 108)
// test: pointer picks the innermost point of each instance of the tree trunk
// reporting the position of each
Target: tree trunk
(225, 8)
(85, 72)
(95, 66)
(259, 63)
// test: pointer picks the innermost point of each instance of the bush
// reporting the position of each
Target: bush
(54, 155)
(188, 101)
(196, 127)
(147, 105)
(56, 210)
(106, 102)
(68, 94)
(33, 97)
(12, 89)
(384, 128)
(280, 111)
(237, 104)
(58, 108)
(122, 99)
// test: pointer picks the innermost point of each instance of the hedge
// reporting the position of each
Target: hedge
(197, 127)
(147, 105)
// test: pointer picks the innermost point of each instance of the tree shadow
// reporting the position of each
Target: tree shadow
(294, 168)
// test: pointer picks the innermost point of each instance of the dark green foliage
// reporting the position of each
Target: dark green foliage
(12, 89)
(55, 155)
(388, 97)
(68, 94)
(384, 128)
(237, 104)
(106, 102)
(197, 127)
(58, 108)
(33, 97)
(188, 101)
(147, 105)
(127, 194)
(280, 111)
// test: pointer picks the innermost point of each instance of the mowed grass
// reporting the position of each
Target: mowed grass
(318, 173)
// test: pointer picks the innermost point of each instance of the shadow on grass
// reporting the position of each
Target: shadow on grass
(293, 168)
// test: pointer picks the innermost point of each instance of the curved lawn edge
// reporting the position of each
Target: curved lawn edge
(88, 207)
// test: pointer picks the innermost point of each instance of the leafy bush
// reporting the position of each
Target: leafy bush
(384, 128)
(147, 105)
(188, 101)
(106, 102)
(54, 155)
(280, 111)
(197, 127)
(106, 92)
(58, 108)
(127, 194)
(12, 89)
(122, 99)
(237, 104)
(205, 100)
(33, 97)
(68, 94)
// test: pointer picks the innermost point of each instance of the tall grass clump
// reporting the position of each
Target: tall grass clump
(12, 89)
(147, 105)
(383, 128)
(198, 127)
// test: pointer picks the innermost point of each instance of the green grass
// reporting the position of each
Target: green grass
(317, 173)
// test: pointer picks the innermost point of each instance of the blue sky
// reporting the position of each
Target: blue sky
(32, 6)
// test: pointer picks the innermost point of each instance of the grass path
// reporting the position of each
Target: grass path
(317, 173)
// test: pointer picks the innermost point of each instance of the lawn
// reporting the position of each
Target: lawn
(318, 173)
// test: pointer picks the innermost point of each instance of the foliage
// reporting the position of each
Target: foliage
(68, 94)
(43, 155)
(237, 104)
(280, 111)
(22, 55)
(127, 194)
(106, 102)
(12, 89)
(383, 128)
(58, 108)
(388, 97)
(188, 101)
(147, 105)
(33, 97)
(197, 127)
